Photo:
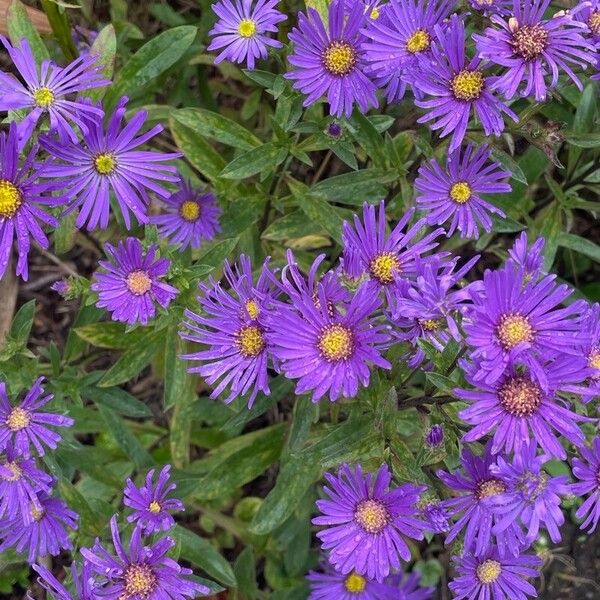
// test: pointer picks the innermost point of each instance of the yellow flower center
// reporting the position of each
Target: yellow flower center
(139, 580)
(336, 343)
(138, 282)
(43, 97)
(514, 329)
(10, 199)
(429, 324)
(594, 359)
(375, 13)
(190, 210)
(530, 41)
(18, 419)
(488, 571)
(520, 396)
(250, 341)
(247, 28)
(339, 58)
(36, 513)
(467, 85)
(154, 507)
(460, 192)
(355, 584)
(105, 163)
(594, 22)
(383, 267)
(489, 487)
(372, 515)
(15, 469)
(419, 41)
(252, 309)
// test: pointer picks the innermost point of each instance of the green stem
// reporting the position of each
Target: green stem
(61, 28)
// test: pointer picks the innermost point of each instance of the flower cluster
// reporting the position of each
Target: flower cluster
(32, 519)
(141, 570)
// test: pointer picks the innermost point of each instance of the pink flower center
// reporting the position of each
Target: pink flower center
(372, 515)
(529, 41)
(138, 282)
(520, 397)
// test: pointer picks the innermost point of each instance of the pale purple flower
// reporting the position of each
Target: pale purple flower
(587, 471)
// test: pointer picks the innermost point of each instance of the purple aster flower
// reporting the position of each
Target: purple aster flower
(532, 496)
(22, 197)
(529, 258)
(435, 515)
(492, 7)
(22, 426)
(192, 216)
(493, 576)
(20, 482)
(150, 502)
(589, 350)
(110, 160)
(46, 533)
(329, 352)
(143, 572)
(365, 521)
(409, 587)
(331, 62)
(46, 89)
(242, 29)
(62, 287)
(82, 578)
(455, 192)
(588, 12)
(428, 308)
(457, 86)
(515, 318)
(404, 33)
(520, 405)
(477, 485)
(531, 47)
(587, 471)
(386, 259)
(351, 586)
(231, 326)
(131, 286)
(435, 436)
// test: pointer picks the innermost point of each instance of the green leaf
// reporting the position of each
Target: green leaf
(322, 213)
(125, 439)
(75, 501)
(215, 126)
(267, 156)
(583, 123)
(305, 413)
(22, 323)
(368, 137)
(177, 381)
(509, 163)
(202, 554)
(579, 244)
(357, 187)
(150, 61)
(197, 150)
(110, 335)
(583, 140)
(215, 254)
(132, 361)
(105, 48)
(20, 26)
(64, 234)
(245, 573)
(118, 400)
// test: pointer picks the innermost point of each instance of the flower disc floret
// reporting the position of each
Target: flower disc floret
(520, 396)
(461, 192)
(190, 210)
(384, 266)
(530, 41)
(372, 516)
(251, 341)
(355, 584)
(247, 28)
(10, 199)
(18, 419)
(339, 58)
(44, 97)
(514, 329)
(335, 343)
(139, 580)
(467, 85)
(489, 571)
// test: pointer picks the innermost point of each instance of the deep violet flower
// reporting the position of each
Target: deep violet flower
(151, 504)
(476, 485)
(231, 327)
(330, 62)
(46, 89)
(23, 426)
(110, 160)
(365, 521)
(587, 471)
(455, 86)
(325, 586)
(23, 199)
(329, 352)
(131, 285)
(83, 582)
(46, 533)
(589, 13)
(192, 217)
(528, 257)
(242, 30)
(402, 34)
(454, 193)
(143, 572)
(530, 48)
(494, 576)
